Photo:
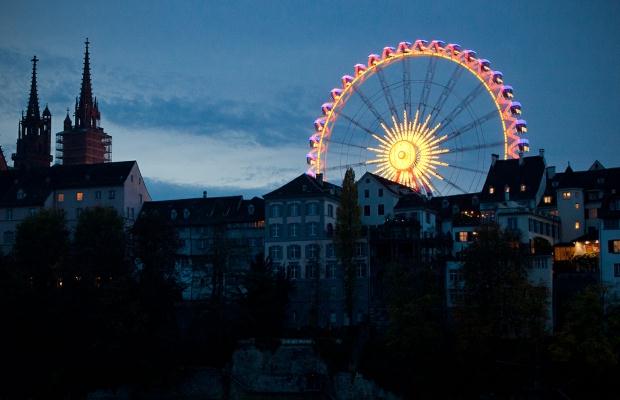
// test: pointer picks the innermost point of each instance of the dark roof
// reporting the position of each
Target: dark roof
(37, 183)
(392, 186)
(208, 210)
(528, 171)
(305, 186)
(413, 200)
(602, 179)
(463, 202)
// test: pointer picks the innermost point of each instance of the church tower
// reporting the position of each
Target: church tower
(84, 142)
(34, 131)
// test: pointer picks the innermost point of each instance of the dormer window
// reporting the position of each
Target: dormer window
(251, 209)
(523, 187)
(547, 199)
(173, 214)
(507, 189)
(491, 190)
(185, 214)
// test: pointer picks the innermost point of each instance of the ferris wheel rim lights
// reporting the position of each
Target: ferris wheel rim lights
(502, 95)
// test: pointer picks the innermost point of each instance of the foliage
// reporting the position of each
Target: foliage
(41, 247)
(99, 245)
(348, 232)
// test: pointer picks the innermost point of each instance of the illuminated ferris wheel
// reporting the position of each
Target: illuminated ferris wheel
(425, 115)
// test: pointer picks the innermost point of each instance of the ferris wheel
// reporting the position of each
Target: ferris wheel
(426, 115)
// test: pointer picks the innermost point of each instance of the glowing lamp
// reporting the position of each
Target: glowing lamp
(515, 108)
(521, 126)
(507, 92)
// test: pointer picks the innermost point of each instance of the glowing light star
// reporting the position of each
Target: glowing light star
(409, 153)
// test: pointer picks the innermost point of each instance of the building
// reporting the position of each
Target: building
(377, 198)
(71, 188)
(219, 238)
(300, 222)
(34, 132)
(85, 141)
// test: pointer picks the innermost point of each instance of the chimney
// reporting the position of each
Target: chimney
(319, 179)
(204, 194)
(541, 152)
(494, 158)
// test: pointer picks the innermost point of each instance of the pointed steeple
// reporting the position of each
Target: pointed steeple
(33, 101)
(86, 112)
(86, 91)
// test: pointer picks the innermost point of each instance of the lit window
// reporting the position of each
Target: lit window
(79, 196)
(491, 190)
(507, 189)
(566, 195)
(577, 225)
(547, 199)
(60, 197)
(463, 236)
(613, 246)
(523, 188)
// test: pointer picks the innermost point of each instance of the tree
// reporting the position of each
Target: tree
(99, 245)
(348, 232)
(41, 247)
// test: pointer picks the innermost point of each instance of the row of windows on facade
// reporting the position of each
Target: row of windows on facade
(313, 271)
(294, 230)
(295, 210)
(207, 243)
(81, 196)
(522, 188)
(186, 214)
(380, 210)
(312, 251)
(367, 193)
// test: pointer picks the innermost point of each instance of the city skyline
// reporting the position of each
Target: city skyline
(184, 91)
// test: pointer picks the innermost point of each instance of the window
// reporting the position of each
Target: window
(512, 223)
(577, 206)
(21, 194)
(507, 189)
(360, 249)
(491, 190)
(275, 211)
(577, 225)
(617, 270)
(313, 228)
(361, 270)
(141, 200)
(330, 271)
(312, 271)
(9, 214)
(455, 276)
(611, 224)
(330, 210)
(294, 252)
(202, 244)
(566, 195)
(79, 196)
(330, 230)
(275, 252)
(8, 237)
(547, 199)
(173, 214)
(78, 212)
(462, 236)
(366, 211)
(274, 230)
(33, 211)
(366, 193)
(523, 187)
(292, 271)
(614, 246)
(293, 230)
(381, 209)
(313, 251)
(332, 317)
(593, 213)
(312, 209)
(380, 192)
(60, 197)
(294, 210)
(111, 194)
(539, 263)
(98, 196)
(329, 251)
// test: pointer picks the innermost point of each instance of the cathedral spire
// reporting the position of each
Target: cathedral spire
(33, 101)
(86, 91)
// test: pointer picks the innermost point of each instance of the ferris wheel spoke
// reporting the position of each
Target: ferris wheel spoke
(347, 144)
(478, 171)
(454, 185)
(441, 101)
(369, 104)
(467, 127)
(346, 166)
(356, 123)
(464, 149)
(462, 105)
(386, 92)
(428, 80)
(407, 86)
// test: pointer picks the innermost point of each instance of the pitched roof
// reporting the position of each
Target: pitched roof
(305, 186)
(413, 200)
(602, 179)
(394, 187)
(34, 185)
(463, 202)
(208, 210)
(513, 173)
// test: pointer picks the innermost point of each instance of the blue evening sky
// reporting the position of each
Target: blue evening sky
(221, 96)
